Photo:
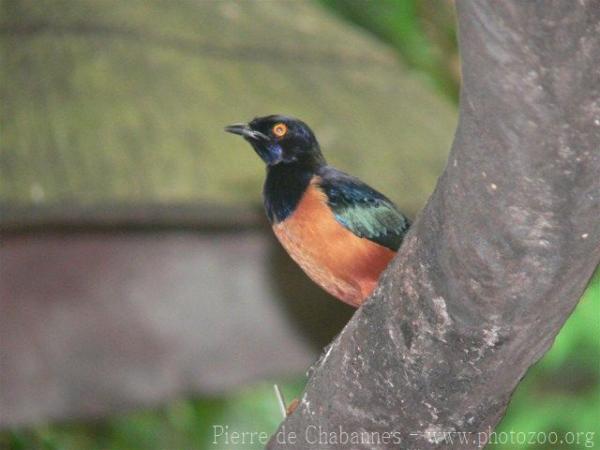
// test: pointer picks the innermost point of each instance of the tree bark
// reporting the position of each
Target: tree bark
(498, 258)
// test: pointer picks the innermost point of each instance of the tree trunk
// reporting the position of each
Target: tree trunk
(497, 260)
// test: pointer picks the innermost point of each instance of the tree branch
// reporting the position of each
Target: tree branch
(500, 255)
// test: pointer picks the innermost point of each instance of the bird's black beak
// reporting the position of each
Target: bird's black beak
(244, 130)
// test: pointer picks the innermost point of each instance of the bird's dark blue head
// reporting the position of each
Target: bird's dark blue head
(280, 139)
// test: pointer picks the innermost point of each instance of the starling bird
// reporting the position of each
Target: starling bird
(341, 232)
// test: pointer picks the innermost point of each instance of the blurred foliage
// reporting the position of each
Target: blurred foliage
(183, 424)
(423, 32)
(560, 394)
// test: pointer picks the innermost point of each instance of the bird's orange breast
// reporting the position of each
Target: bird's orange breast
(342, 263)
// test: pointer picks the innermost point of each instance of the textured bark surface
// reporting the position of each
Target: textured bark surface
(498, 258)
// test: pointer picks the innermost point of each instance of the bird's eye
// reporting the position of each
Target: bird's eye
(280, 129)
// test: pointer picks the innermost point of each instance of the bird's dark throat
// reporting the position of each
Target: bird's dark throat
(284, 187)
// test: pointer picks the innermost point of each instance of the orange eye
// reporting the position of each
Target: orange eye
(280, 129)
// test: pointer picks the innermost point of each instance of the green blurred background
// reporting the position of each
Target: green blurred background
(561, 393)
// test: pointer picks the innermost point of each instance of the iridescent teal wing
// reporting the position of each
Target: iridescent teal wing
(362, 210)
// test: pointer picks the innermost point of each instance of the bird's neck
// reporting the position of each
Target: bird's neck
(284, 186)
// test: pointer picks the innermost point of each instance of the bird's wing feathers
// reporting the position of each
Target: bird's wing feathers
(362, 210)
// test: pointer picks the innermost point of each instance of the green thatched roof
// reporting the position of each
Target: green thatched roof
(125, 101)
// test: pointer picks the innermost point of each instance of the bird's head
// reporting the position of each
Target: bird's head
(280, 139)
